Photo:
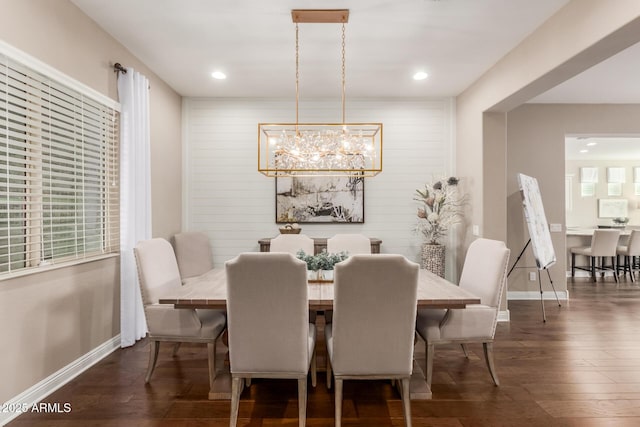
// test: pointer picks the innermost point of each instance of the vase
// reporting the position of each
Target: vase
(433, 258)
(315, 276)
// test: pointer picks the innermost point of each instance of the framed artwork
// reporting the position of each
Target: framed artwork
(312, 199)
(613, 208)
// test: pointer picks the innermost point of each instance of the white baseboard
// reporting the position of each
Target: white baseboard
(504, 316)
(56, 380)
(535, 295)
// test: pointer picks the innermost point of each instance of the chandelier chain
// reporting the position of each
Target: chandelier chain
(343, 73)
(297, 75)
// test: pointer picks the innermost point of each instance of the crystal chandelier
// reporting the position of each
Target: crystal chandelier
(320, 149)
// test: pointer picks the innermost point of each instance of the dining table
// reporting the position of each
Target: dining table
(209, 291)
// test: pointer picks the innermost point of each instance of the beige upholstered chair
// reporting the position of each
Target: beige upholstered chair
(292, 243)
(193, 253)
(373, 329)
(269, 332)
(352, 243)
(603, 245)
(157, 274)
(484, 274)
(629, 252)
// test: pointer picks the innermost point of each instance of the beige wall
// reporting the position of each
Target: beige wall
(50, 319)
(580, 35)
(536, 134)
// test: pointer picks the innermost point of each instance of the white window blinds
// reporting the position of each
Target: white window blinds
(59, 184)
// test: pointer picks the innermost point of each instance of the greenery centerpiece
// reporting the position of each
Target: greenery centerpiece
(440, 208)
(324, 261)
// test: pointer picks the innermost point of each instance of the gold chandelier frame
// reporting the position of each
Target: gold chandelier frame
(320, 149)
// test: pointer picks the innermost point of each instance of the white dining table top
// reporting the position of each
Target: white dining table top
(210, 291)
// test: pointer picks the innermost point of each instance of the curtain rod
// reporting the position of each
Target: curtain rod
(118, 68)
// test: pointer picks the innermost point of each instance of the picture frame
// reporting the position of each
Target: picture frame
(613, 208)
(320, 200)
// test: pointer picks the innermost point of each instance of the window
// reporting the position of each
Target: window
(59, 178)
(588, 181)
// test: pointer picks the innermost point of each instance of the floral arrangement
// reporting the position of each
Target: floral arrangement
(322, 261)
(440, 208)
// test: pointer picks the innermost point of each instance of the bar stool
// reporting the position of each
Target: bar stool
(629, 253)
(603, 245)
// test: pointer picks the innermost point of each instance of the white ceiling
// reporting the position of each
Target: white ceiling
(252, 41)
(602, 148)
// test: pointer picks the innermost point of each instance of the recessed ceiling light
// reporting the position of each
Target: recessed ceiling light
(591, 144)
(420, 75)
(218, 75)
(584, 151)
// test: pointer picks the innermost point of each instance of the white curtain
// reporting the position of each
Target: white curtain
(135, 198)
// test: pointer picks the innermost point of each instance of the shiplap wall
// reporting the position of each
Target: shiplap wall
(225, 196)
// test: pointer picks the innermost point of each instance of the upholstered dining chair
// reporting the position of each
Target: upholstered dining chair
(350, 243)
(268, 322)
(158, 273)
(193, 253)
(604, 244)
(292, 243)
(484, 274)
(373, 328)
(629, 253)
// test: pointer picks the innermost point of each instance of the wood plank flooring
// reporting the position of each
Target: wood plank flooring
(581, 368)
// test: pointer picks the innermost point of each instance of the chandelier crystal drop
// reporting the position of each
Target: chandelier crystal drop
(320, 149)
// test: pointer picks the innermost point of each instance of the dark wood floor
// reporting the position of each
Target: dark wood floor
(581, 368)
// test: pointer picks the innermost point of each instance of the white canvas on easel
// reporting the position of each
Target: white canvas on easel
(539, 235)
(536, 222)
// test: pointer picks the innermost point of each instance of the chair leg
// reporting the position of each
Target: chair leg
(211, 356)
(630, 261)
(154, 348)
(617, 266)
(406, 401)
(573, 265)
(464, 350)
(488, 355)
(338, 402)
(429, 362)
(329, 374)
(613, 267)
(302, 401)
(314, 370)
(592, 261)
(236, 388)
(176, 347)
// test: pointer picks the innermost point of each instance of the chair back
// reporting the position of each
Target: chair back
(267, 313)
(157, 274)
(633, 245)
(353, 244)
(193, 253)
(604, 242)
(374, 315)
(157, 269)
(484, 272)
(292, 243)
